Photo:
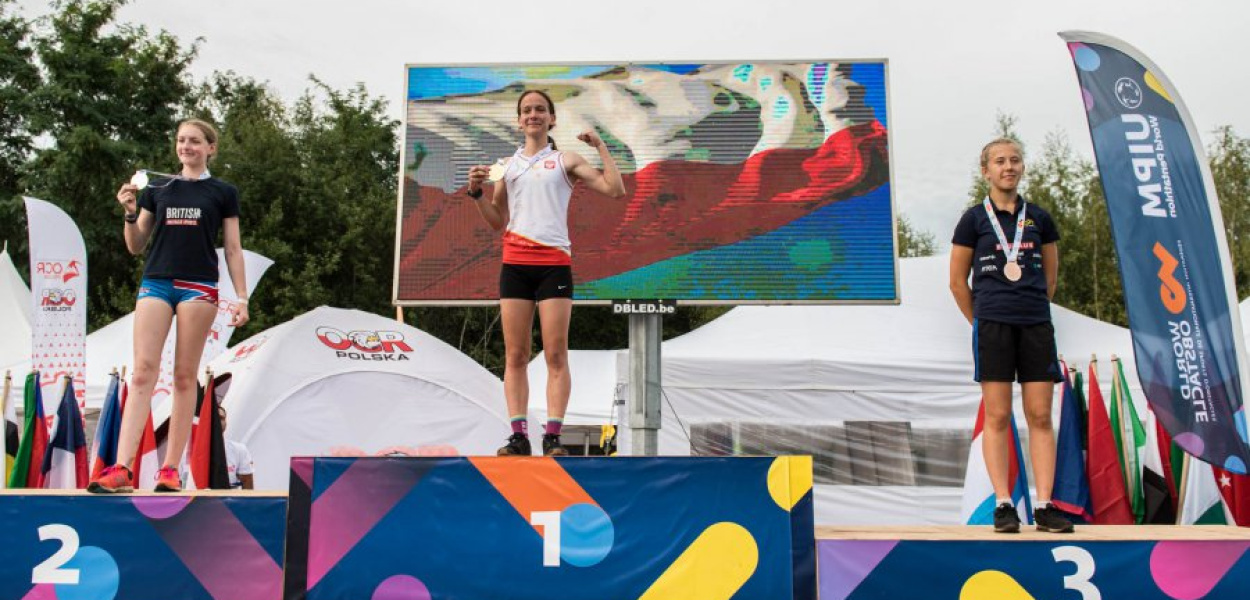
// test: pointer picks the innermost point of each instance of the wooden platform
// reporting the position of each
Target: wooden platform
(1083, 533)
(1143, 562)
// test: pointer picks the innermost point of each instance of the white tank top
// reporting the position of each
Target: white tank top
(538, 209)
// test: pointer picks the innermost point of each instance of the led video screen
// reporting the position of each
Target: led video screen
(761, 182)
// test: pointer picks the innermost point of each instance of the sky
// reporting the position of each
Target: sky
(953, 65)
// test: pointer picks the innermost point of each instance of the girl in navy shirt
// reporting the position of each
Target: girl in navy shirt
(177, 219)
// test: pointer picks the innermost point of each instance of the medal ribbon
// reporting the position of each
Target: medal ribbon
(1010, 250)
(529, 162)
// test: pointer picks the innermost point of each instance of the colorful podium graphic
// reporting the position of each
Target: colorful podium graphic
(645, 528)
(1180, 563)
(77, 546)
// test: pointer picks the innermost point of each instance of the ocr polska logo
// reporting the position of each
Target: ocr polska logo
(365, 344)
(1128, 93)
(58, 300)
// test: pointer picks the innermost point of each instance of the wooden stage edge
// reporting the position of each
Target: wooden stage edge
(216, 493)
(1083, 533)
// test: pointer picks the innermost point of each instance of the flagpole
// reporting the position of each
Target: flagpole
(1127, 447)
(4, 399)
(4, 411)
(1180, 492)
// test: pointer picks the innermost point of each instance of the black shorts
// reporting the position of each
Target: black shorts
(1023, 353)
(535, 282)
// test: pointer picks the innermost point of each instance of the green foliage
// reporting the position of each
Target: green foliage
(318, 188)
(108, 104)
(1230, 167)
(912, 241)
(19, 79)
(1068, 188)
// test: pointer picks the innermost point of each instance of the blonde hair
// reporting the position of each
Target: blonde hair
(985, 152)
(210, 132)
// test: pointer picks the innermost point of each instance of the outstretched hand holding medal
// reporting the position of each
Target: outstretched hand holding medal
(1011, 270)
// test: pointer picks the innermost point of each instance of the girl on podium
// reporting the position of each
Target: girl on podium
(529, 202)
(1009, 247)
(177, 219)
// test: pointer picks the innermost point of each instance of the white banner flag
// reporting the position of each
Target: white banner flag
(58, 291)
(218, 335)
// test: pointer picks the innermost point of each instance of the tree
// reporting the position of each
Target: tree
(108, 104)
(1230, 167)
(19, 79)
(912, 241)
(1068, 188)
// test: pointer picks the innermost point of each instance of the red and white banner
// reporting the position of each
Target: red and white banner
(219, 334)
(58, 291)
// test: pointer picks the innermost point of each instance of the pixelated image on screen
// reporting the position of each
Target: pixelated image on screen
(764, 182)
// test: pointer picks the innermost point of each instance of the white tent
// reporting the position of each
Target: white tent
(334, 377)
(112, 346)
(15, 314)
(840, 379)
(593, 392)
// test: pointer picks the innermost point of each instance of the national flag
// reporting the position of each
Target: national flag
(8, 437)
(1160, 504)
(1106, 483)
(1078, 390)
(108, 429)
(1130, 439)
(979, 500)
(1235, 490)
(1201, 501)
(65, 458)
(1173, 458)
(1071, 488)
(208, 447)
(28, 464)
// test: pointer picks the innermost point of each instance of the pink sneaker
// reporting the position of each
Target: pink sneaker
(112, 480)
(167, 480)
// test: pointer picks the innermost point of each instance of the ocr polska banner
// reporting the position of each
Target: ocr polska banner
(58, 291)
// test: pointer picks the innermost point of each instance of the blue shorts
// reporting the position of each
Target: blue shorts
(175, 291)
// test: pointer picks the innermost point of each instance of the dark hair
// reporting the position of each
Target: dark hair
(551, 108)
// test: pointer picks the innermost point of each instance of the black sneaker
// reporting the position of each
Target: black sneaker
(552, 445)
(1006, 519)
(518, 445)
(1051, 520)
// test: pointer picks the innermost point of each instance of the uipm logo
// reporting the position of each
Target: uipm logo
(364, 344)
(1128, 93)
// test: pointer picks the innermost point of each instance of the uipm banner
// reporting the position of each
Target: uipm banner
(1173, 254)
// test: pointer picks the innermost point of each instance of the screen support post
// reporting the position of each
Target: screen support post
(644, 383)
(645, 334)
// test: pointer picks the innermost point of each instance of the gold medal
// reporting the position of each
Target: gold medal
(498, 170)
(1012, 271)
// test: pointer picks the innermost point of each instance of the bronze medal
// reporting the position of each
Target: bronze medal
(1012, 271)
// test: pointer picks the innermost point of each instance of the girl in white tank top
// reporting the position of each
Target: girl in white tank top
(531, 208)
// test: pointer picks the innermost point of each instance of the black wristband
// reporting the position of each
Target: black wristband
(475, 195)
(132, 217)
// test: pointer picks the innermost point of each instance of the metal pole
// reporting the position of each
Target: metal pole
(644, 383)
